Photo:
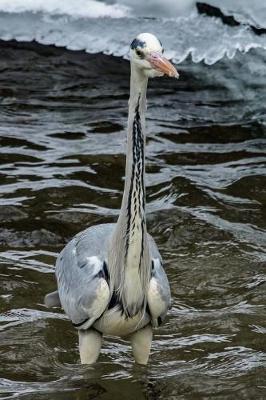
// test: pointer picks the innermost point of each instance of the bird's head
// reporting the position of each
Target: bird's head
(146, 54)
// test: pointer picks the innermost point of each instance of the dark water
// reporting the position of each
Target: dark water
(62, 135)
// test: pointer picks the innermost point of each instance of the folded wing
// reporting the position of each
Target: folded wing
(159, 296)
(82, 281)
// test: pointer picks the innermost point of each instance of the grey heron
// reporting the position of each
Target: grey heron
(110, 277)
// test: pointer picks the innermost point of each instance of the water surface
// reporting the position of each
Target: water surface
(62, 134)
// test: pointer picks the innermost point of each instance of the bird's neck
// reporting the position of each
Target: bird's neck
(133, 203)
(130, 236)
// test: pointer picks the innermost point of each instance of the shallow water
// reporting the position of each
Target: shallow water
(62, 134)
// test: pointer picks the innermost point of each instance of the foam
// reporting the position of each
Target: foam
(76, 8)
(245, 11)
(95, 26)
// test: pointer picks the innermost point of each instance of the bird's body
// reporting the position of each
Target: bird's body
(110, 277)
(82, 262)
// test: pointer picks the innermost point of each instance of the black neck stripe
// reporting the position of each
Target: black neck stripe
(136, 190)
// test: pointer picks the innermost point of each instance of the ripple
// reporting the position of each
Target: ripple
(63, 139)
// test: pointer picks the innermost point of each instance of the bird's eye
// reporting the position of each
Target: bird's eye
(162, 51)
(139, 53)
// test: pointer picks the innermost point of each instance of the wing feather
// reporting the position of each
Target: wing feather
(159, 296)
(81, 278)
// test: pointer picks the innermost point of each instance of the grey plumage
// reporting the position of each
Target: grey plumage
(110, 277)
(80, 273)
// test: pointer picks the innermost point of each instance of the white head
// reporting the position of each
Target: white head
(146, 54)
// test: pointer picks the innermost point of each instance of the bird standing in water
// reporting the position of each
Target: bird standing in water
(110, 277)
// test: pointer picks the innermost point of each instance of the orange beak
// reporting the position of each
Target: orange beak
(161, 64)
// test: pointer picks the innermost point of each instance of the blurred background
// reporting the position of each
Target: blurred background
(64, 85)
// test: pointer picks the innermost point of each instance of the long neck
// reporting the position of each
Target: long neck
(130, 260)
(133, 203)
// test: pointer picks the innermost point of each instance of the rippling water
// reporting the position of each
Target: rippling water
(62, 134)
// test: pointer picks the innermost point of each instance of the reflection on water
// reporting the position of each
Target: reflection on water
(62, 136)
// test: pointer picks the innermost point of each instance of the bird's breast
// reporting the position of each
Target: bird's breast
(114, 322)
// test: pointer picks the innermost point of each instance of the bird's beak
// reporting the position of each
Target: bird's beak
(161, 64)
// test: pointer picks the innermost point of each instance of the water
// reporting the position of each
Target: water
(62, 135)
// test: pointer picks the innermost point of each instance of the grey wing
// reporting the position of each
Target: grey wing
(82, 276)
(154, 252)
(159, 295)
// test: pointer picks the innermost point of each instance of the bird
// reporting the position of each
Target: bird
(110, 277)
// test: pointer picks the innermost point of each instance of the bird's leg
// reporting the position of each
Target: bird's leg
(141, 344)
(90, 342)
